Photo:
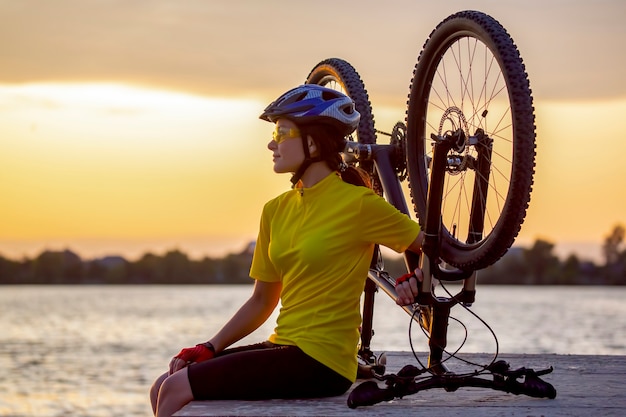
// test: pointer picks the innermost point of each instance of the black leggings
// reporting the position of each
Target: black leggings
(264, 371)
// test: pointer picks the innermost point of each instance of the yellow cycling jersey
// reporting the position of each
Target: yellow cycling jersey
(319, 242)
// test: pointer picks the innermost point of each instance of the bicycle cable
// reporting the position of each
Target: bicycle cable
(450, 355)
(495, 337)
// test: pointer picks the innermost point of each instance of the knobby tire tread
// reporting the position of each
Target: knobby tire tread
(502, 236)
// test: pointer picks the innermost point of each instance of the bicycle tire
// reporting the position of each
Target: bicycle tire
(339, 74)
(448, 92)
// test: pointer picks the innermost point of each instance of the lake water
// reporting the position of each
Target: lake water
(94, 351)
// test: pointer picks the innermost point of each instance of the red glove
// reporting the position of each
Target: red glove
(199, 353)
(405, 277)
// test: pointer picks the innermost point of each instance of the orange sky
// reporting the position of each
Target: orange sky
(132, 126)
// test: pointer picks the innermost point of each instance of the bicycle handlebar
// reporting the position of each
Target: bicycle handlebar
(369, 393)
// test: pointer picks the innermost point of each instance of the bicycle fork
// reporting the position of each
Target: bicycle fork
(436, 310)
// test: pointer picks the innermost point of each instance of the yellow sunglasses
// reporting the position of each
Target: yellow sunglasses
(281, 134)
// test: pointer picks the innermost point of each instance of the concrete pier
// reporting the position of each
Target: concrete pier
(586, 386)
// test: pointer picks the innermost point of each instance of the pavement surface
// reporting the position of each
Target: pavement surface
(585, 385)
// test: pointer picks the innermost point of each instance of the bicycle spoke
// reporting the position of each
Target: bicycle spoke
(470, 86)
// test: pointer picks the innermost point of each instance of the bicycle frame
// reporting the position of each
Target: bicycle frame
(435, 311)
(491, 93)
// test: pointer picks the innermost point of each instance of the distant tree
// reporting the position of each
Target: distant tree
(147, 270)
(73, 267)
(543, 264)
(615, 258)
(48, 268)
(236, 269)
(512, 268)
(570, 271)
(95, 272)
(116, 270)
(620, 276)
(9, 271)
(205, 271)
(52, 267)
(612, 243)
(177, 267)
(534, 265)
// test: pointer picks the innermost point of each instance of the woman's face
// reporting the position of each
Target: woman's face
(286, 147)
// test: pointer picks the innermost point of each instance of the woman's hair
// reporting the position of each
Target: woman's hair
(330, 143)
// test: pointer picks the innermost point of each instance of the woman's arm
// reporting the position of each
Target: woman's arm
(407, 291)
(416, 245)
(250, 316)
(247, 319)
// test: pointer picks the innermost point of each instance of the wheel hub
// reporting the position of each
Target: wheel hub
(454, 124)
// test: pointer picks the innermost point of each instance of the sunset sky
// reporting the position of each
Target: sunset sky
(128, 127)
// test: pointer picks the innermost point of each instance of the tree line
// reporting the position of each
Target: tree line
(174, 267)
(538, 265)
(534, 265)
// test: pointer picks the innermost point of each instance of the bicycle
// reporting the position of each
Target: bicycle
(467, 150)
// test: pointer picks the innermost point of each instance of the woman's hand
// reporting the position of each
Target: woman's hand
(407, 287)
(188, 356)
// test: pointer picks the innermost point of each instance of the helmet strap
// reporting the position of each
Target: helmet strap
(305, 164)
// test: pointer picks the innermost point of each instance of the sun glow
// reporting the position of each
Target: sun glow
(88, 163)
(107, 160)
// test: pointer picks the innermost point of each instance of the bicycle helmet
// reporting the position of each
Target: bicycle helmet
(312, 103)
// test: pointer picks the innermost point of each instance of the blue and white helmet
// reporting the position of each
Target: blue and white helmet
(312, 103)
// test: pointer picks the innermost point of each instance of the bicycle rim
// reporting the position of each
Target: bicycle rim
(470, 76)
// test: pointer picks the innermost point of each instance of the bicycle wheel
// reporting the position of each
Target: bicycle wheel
(470, 78)
(339, 75)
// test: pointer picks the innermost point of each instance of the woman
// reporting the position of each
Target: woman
(312, 254)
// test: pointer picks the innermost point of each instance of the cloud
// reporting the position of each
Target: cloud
(249, 48)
